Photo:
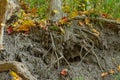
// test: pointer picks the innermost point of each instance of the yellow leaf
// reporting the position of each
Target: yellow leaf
(22, 28)
(118, 19)
(87, 1)
(24, 14)
(42, 23)
(15, 76)
(62, 30)
(25, 25)
(119, 68)
(66, 9)
(95, 32)
(73, 14)
(63, 20)
(56, 11)
(87, 21)
(84, 12)
(83, 5)
(29, 23)
(15, 24)
(111, 71)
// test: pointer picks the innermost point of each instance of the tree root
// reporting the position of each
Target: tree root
(17, 67)
(98, 19)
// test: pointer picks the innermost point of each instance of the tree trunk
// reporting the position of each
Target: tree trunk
(7, 8)
(55, 10)
(3, 5)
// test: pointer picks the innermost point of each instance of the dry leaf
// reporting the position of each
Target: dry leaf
(34, 10)
(84, 13)
(42, 23)
(62, 30)
(15, 24)
(81, 23)
(64, 72)
(23, 28)
(104, 74)
(104, 15)
(10, 30)
(26, 25)
(15, 76)
(118, 20)
(63, 21)
(56, 11)
(119, 68)
(111, 71)
(95, 32)
(73, 14)
(29, 23)
(87, 21)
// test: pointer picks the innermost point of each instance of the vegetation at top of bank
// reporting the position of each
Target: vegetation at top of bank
(107, 8)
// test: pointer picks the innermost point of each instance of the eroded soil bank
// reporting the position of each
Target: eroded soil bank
(79, 50)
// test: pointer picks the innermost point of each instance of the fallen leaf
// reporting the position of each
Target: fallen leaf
(62, 30)
(95, 32)
(104, 15)
(87, 20)
(119, 68)
(42, 23)
(15, 75)
(23, 28)
(29, 23)
(81, 23)
(10, 30)
(73, 14)
(118, 20)
(56, 11)
(16, 24)
(34, 10)
(66, 9)
(111, 71)
(83, 13)
(104, 74)
(63, 20)
(64, 72)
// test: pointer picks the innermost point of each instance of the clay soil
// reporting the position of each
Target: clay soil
(85, 55)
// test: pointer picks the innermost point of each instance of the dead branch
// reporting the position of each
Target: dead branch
(17, 67)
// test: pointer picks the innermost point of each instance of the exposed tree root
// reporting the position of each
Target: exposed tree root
(98, 19)
(17, 67)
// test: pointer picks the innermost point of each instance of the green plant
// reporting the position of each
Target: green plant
(110, 7)
(117, 76)
(40, 5)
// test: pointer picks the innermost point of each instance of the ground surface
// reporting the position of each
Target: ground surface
(85, 55)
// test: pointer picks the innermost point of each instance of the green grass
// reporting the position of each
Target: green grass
(110, 7)
(117, 77)
(41, 5)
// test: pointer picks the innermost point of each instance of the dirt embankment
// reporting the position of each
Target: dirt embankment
(85, 54)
